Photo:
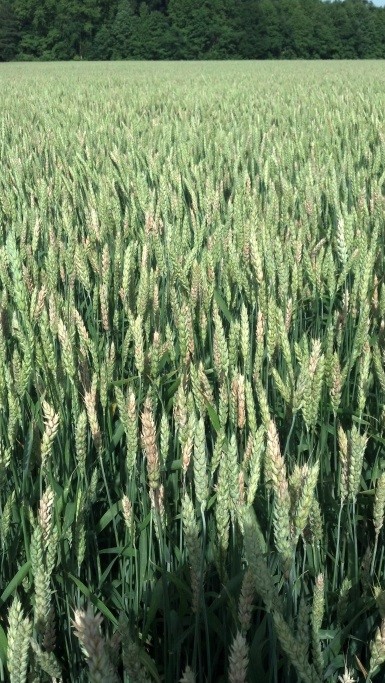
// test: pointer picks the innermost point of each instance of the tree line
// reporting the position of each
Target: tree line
(190, 29)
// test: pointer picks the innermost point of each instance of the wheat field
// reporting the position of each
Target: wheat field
(192, 372)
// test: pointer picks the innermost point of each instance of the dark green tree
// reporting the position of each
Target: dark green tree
(249, 29)
(201, 28)
(123, 30)
(345, 30)
(366, 29)
(269, 33)
(191, 29)
(9, 31)
(151, 37)
(77, 23)
(296, 30)
(325, 36)
(103, 43)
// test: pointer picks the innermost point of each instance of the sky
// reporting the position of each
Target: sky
(378, 3)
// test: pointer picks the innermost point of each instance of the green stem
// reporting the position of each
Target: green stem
(337, 546)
